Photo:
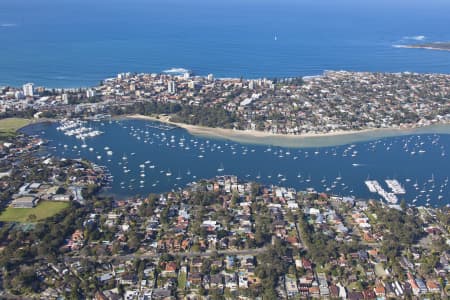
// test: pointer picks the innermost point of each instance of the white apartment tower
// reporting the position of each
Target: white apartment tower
(28, 90)
(171, 87)
(90, 93)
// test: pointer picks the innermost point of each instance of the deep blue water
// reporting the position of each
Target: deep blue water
(134, 142)
(79, 42)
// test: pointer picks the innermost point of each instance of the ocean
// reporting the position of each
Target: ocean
(76, 43)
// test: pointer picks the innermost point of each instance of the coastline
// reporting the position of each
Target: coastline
(37, 121)
(429, 47)
(303, 140)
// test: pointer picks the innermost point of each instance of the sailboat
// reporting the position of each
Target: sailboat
(220, 169)
(432, 178)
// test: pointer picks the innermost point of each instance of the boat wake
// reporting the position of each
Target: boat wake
(358, 165)
(8, 25)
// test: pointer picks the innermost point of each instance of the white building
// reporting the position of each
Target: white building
(191, 85)
(171, 87)
(19, 95)
(28, 90)
(90, 93)
(65, 98)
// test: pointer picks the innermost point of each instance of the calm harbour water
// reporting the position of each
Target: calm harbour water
(144, 156)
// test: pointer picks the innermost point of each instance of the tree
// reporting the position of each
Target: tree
(133, 241)
(31, 218)
(403, 205)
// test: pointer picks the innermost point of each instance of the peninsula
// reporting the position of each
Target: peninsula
(338, 102)
(442, 46)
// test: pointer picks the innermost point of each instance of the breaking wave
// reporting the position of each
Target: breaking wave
(176, 71)
(415, 37)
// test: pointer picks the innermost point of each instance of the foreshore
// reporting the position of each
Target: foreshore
(426, 47)
(303, 140)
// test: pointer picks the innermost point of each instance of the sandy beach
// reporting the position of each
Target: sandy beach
(303, 140)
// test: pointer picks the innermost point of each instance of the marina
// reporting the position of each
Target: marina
(375, 187)
(76, 128)
(146, 157)
(395, 186)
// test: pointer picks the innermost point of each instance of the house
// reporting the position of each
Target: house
(421, 285)
(161, 293)
(105, 277)
(433, 286)
(112, 294)
(194, 278)
(243, 280)
(210, 225)
(369, 294)
(170, 269)
(217, 281)
(129, 295)
(306, 264)
(61, 197)
(291, 286)
(379, 290)
(314, 291)
(76, 241)
(334, 291)
(25, 202)
(196, 262)
(231, 281)
(414, 287)
(390, 292)
(355, 296)
(128, 279)
(217, 264)
(229, 262)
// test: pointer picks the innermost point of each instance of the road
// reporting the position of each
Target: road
(305, 246)
(149, 255)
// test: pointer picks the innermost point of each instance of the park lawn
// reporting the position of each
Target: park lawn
(379, 270)
(13, 124)
(182, 278)
(355, 286)
(42, 211)
(9, 126)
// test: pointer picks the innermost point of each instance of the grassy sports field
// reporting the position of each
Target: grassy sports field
(43, 210)
(9, 126)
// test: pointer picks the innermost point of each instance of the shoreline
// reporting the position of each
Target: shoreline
(302, 140)
(37, 121)
(429, 47)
